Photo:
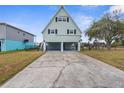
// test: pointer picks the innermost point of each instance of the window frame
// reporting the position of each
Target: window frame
(52, 31)
(71, 31)
(62, 19)
(24, 34)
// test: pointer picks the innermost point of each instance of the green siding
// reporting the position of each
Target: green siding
(15, 45)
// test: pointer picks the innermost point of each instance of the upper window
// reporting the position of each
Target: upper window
(52, 31)
(18, 32)
(62, 18)
(71, 31)
(23, 34)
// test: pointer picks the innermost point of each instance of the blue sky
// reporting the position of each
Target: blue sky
(34, 18)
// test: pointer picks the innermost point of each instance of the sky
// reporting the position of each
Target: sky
(33, 19)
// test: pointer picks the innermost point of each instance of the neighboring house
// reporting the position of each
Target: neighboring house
(12, 38)
(61, 33)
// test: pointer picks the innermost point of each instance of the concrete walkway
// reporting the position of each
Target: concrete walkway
(67, 69)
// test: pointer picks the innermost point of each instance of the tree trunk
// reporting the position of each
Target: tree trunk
(109, 45)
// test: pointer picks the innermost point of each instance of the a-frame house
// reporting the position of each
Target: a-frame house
(61, 33)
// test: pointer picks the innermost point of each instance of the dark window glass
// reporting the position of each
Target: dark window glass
(48, 31)
(60, 19)
(74, 31)
(23, 34)
(52, 31)
(64, 19)
(71, 31)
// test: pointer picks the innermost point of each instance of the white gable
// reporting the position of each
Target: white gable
(62, 12)
(62, 28)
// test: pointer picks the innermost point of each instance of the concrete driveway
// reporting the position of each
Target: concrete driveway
(67, 69)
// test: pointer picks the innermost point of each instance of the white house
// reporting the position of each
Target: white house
(61, 33)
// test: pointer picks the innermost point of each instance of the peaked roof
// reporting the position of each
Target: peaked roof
(16, 28)
(61, 7)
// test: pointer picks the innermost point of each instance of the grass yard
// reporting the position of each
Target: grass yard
(112, 57)
(13, 62)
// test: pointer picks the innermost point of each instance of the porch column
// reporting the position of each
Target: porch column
(78, 46)
(61, 46)
(44, 46)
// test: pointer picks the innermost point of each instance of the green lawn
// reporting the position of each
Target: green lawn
(112, 57)
(12, 62)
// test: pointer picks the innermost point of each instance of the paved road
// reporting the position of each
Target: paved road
(67, 69)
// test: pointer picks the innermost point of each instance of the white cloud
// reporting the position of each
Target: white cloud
(117, 7)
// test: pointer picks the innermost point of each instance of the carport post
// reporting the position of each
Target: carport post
(78, 46)
(61, 46)
(44, 46)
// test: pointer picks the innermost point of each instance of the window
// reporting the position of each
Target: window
(52, 31)
(62, 18)
(23, 34)
(71, 31)
(18, 32)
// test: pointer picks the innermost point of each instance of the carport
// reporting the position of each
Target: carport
(70, 46)
(53, 46)
(62, 46)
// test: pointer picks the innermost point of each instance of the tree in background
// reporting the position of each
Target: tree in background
(109, 28)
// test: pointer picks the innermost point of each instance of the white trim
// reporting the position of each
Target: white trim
(78, 46)
(61, 46)
(44, 46)
(71, 32)
(52, 31)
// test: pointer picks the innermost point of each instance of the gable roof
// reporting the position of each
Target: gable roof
(16, 28)
(62, 7)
